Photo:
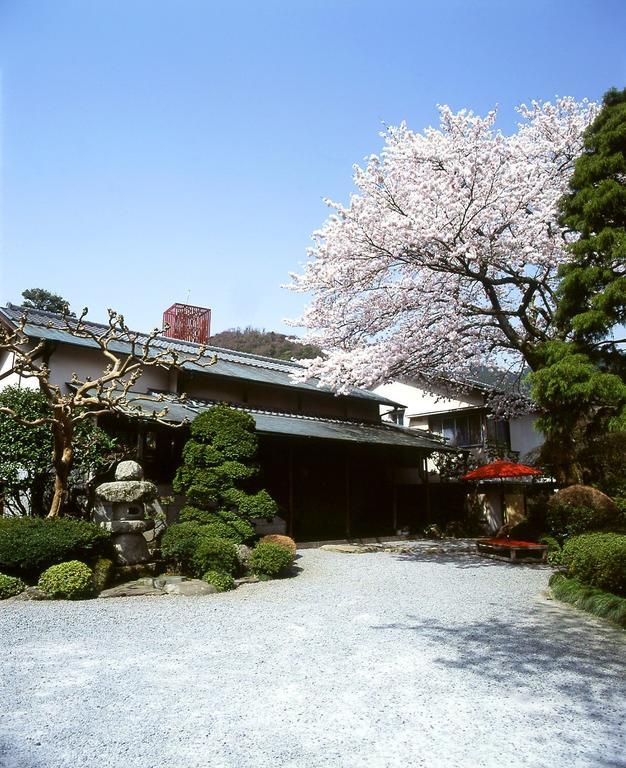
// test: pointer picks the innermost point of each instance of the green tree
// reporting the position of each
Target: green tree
(266, 343)
(26, 452)
(219, 476)
(40, 298)
(581, 385)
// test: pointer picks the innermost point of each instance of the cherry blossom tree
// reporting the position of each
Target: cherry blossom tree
(446, 257)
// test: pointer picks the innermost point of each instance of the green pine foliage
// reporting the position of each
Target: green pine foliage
(218, 474)
(593, 287)
(580, 383)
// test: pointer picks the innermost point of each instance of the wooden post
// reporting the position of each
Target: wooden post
(290, 523)
(347, 476)
(427, 484)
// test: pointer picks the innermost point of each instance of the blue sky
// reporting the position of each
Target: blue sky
(158, 151)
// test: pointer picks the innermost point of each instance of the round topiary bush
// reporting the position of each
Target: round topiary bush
(72, 580)
(29, 545)
(270, 559)
(284, 541)
(579, 509)
(598, 559)
(221, 581)
(179, 542)
(10, 586)
(214, 555)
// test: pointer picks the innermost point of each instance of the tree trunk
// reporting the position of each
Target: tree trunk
(62, 457)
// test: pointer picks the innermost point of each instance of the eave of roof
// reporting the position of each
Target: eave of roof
(287, 424)
(231, 364)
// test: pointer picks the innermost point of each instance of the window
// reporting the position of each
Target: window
(461, 429)
(498, 432)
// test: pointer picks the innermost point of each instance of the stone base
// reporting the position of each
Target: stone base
(130, 548)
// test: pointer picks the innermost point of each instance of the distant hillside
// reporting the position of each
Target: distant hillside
(262, 342)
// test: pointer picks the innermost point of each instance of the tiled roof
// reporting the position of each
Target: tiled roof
(280, 423)
(230, 363)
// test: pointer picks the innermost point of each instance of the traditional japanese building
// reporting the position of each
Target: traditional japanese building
(334, 467)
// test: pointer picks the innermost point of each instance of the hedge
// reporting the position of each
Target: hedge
(29, 545)
(597, 559)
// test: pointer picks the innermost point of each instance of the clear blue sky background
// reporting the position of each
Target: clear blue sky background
(156, 151)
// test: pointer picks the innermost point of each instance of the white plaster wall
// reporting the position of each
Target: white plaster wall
(91, 362)
(13, 379)
(417, 400)
(525, 436)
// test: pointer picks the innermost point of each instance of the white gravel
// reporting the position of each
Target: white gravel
(362, 660)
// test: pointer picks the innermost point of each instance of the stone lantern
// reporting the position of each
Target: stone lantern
(121, 509)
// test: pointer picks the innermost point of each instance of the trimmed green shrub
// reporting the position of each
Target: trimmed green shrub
(591, 599)
(555, 553)
(283, 541)
(10, 586)
(214, 555)
(28, 545)
(218, 475)
(221, 581)
(598, 559)
(270, 559)
(102, 573)
(71, 581)
(219, 524)
(580, 509)
(179, 542)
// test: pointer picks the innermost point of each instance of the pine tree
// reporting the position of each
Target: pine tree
(218, 475)
(593, 286)
(581, 385)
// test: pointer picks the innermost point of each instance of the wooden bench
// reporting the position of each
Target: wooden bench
(512, 551)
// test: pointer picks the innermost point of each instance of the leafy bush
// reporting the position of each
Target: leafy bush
(28, 545)
(590, 599)
(179, 542)
(555, 553)
(284, 541)
(270, 559)
(598, 559)
(10, 586)
(219, 525)
(72, 580)
(214, 555)
(221, 581)
(579, 509)
(102, 572)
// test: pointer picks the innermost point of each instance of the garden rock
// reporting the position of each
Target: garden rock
(243, 555)
(190, 588)
(139, 588)
(352, 549)
(31, 593)
(128, 470)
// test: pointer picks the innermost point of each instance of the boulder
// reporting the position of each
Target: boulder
(139, 588)
(352, 549)
(243, 555)
(128, 470)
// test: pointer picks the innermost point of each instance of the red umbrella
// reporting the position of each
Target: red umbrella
(500, 469)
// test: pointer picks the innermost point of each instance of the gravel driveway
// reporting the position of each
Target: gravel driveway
(362, 660)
